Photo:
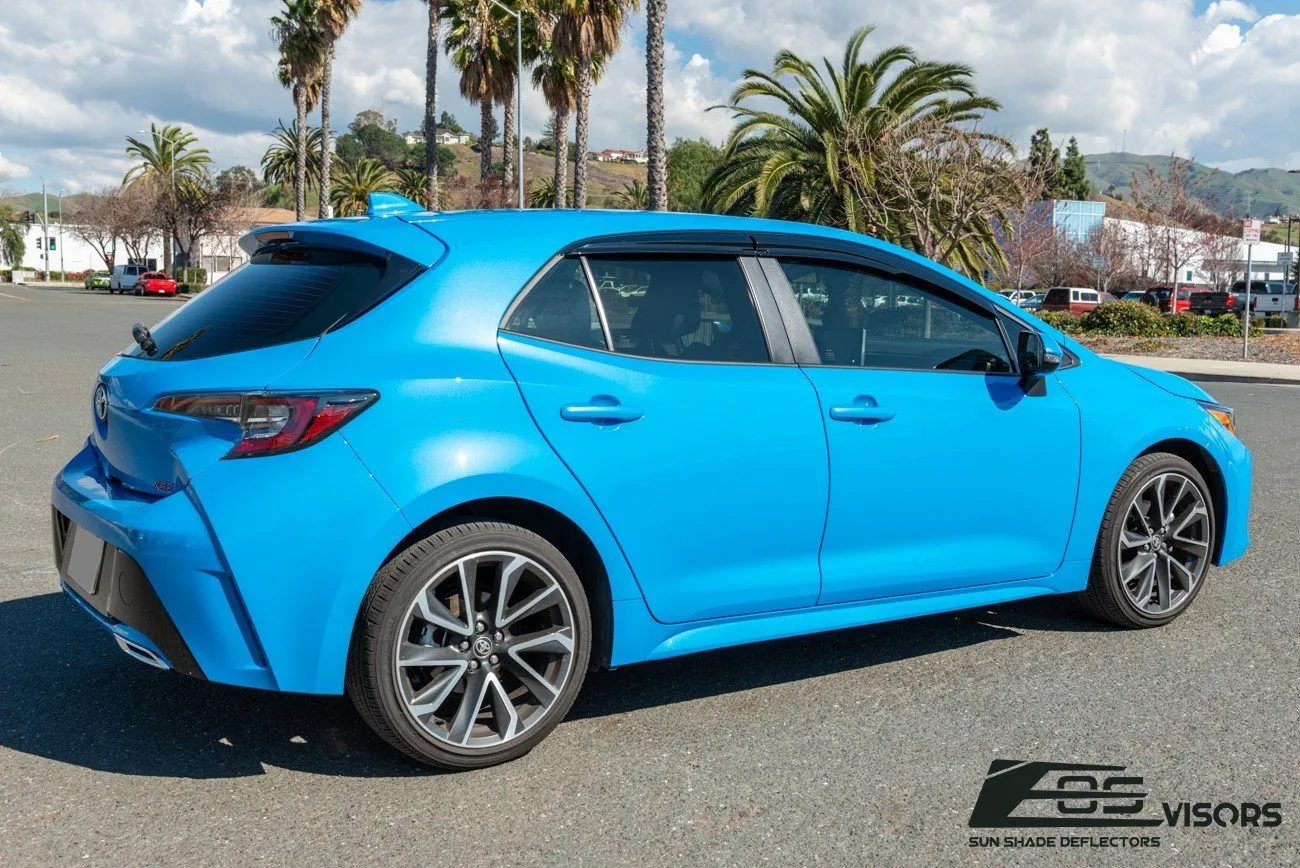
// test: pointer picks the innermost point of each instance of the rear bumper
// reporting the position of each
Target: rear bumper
(259, 566)
(162, 582)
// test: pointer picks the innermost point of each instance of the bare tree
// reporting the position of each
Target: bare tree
(1026, 234)
(202, 208)
(1174, 211)
(1107, 260)
(98, 220)
(139, 223)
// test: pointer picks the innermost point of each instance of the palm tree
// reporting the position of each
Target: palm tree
(585, 30)
(634, 196)
(280, 162)
(431, 107)
(166, 160)
(554, 76)
(481, 48)
(810, 161)
(411, 183)
(542, 195)
(297, 32)
(333, 18)
(356, 182)
(657, 175)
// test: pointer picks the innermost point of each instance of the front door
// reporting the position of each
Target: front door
(931, 485)
(707, 460)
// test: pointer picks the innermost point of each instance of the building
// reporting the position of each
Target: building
(219, 254)
(620, 156)
(1076, 219)
(449, 138)
(414, 137)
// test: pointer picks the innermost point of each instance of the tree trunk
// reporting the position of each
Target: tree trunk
(561, 145)
(300, 154)
(657, 171)
(485, 138)
(508, 146)
(583, 108)
(431, 110)
(326, 142)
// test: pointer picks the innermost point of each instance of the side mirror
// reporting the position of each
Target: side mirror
(1033, 357)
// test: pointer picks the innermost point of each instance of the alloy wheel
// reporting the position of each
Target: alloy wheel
(485, 649)
(1164, 545)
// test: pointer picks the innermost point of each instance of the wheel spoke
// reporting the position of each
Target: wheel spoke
(475, 689)
(544, 691)
(1186, 517)
(1131, 540)
(1158, 484)
(411, 654)
(1188, 577)
(1196, 548)
(1136, 509)
(510, 575)
(434, 612)
(503, 710)
(467, 572)
(1142, 596)
(435, 693)
(1136, 567)
(1184, 484)
(530, 605)
(1162, 583)
(555, 640)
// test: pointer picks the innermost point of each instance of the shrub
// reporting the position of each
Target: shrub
(1124, 319)
(1186, 324)
(1061, 321)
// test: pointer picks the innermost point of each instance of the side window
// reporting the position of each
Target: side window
(861, 318)
(559, 308)
(690, 309)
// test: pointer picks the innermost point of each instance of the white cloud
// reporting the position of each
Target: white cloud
(10, 170)
(1153, 72)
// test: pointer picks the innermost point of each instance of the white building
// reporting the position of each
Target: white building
(448, 138)
(1268, 260)
(218, 254)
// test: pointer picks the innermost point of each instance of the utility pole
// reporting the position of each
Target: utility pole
(1249, 234)
(62, 271)
(45, 230)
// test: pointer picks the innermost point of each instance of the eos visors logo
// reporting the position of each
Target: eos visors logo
(1018, 794)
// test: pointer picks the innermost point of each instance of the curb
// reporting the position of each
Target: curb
(1233, 378)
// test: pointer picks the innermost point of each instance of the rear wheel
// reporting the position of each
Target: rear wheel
(1155, 544)
(471, 646)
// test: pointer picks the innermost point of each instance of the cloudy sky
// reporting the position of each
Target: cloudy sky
(1218, 80)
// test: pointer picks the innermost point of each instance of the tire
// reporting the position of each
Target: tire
(521, 693)
(1130, 536)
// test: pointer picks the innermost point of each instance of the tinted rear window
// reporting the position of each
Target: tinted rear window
(283, 294)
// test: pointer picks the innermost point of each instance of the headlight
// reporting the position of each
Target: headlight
(1225, 415)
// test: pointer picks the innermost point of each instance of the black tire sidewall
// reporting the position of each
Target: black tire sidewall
(371, 677)
(1107, 565)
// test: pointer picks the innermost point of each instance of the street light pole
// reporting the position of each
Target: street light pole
(63, 272)
(45, 229)
(519, 95)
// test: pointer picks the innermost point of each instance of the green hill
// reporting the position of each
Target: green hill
(1254, 192)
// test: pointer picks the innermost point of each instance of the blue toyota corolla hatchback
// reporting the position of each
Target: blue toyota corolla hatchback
(449, 463)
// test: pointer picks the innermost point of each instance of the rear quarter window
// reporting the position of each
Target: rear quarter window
(282, 294)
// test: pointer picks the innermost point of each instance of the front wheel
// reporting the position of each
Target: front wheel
(1155, 544)
(471, 646)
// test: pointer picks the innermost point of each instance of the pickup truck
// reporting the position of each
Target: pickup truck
(1212, 303)
(1278, 297)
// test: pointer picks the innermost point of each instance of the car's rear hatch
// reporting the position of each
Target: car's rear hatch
(249, 329)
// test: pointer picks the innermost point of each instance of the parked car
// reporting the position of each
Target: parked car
(1278, 297)
(1212, 303)
(1173, 300)
(98, 280)
(1018, 296)
(490, 476)
(1238, 291)
(124, 277)
(154, 283)
(1034, 302)
(1074, 299)
(1134, 295)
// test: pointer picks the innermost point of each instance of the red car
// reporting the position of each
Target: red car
(154, 283)
(1182, 298)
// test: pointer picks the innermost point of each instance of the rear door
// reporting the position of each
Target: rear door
(680, 411)
(925, 419)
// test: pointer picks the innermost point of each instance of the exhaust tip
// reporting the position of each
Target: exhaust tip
(141, 653)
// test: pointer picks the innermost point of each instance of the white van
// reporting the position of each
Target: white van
(124, 277)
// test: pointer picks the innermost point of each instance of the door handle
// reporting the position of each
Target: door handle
(600, 413)
(861, 412)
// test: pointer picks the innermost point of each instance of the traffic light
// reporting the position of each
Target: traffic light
(52, 240)
(39, 242)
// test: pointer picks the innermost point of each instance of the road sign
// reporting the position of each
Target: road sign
(1285, 259)
(1250, 230)
(1099, 262)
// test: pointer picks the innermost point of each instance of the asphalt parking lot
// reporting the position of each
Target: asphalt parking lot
(860, 747)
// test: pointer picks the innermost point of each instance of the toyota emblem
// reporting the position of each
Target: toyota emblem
(101, 403)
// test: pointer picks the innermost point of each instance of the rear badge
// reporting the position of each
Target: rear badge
(101, 403)
(164, 487)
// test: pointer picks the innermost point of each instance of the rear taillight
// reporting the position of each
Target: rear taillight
(1232, 300)
(272, 423)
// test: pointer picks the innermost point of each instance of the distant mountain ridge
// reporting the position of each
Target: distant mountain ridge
(1253, 192)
